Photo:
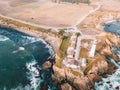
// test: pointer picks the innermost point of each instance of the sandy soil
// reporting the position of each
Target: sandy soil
(44, 12)
(94, 23)
(109, 4)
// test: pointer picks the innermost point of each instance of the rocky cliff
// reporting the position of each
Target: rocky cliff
(65, 79)
(99, 67)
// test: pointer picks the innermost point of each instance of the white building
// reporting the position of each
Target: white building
(92, 51)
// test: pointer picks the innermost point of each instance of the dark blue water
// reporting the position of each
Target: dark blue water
(113, 27)
(20, 56)
(112, 82)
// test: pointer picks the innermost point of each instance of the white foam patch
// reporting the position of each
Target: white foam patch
(21, 48)
(48, 46)
(30, 40)
(33, 72)
(3, 38)
(31, 75)
(15, 51)
(50, 49)
(114, 80)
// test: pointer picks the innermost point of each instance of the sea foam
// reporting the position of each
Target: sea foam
(3, 38)
(33, 72)
(33, 40)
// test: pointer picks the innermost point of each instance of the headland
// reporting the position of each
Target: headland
(76, 33)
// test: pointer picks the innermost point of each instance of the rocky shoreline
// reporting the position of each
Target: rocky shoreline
(63, 77)
(49, 38)
(65, 80)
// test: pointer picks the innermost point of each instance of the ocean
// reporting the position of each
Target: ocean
(112, 82)
(20, 57)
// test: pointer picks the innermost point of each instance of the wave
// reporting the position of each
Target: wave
(50, 49)
(29, 40)
(33, 40)
(112, 82)
(3, 38)
(32, 74)
(21, 48)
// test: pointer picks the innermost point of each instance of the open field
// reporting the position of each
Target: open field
(44, 12)
(94, 23)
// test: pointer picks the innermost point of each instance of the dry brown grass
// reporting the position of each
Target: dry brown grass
(83, 53)
(93, 24)
(45, 12)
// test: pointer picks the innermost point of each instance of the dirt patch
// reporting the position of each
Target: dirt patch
(94, 23)
(45, 12)
(16, 3)
(109, 4)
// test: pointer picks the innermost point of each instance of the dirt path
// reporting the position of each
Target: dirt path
(82, 36)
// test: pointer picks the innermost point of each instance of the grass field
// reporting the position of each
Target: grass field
(62, 52)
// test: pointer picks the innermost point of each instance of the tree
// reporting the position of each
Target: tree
(61, 32)
(78, 34)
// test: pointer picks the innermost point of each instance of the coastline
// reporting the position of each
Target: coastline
(49, 38)
(91, 26)
(52, 40)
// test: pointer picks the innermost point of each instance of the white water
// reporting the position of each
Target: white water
(33, 72)
(21, 48)
(111, 82)
(3, 38)
(32, 40)
(31, 75)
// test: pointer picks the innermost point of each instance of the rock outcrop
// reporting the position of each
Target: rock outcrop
(64, 79)
(101, 67)
(106, 45)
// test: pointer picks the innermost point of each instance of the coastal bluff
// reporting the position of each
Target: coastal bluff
(64, 79)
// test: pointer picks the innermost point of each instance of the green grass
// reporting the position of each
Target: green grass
(62, 52)
(30, 27)
(61, 31)
(64, 45)
(92, 62)
(89, 66)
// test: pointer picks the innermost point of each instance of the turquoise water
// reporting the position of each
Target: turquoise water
(112, 82)
(20, 56)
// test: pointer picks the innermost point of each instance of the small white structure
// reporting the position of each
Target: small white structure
(70, 52)
(72, 66)
(71, 30)
(83, 62)
(92, 51)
